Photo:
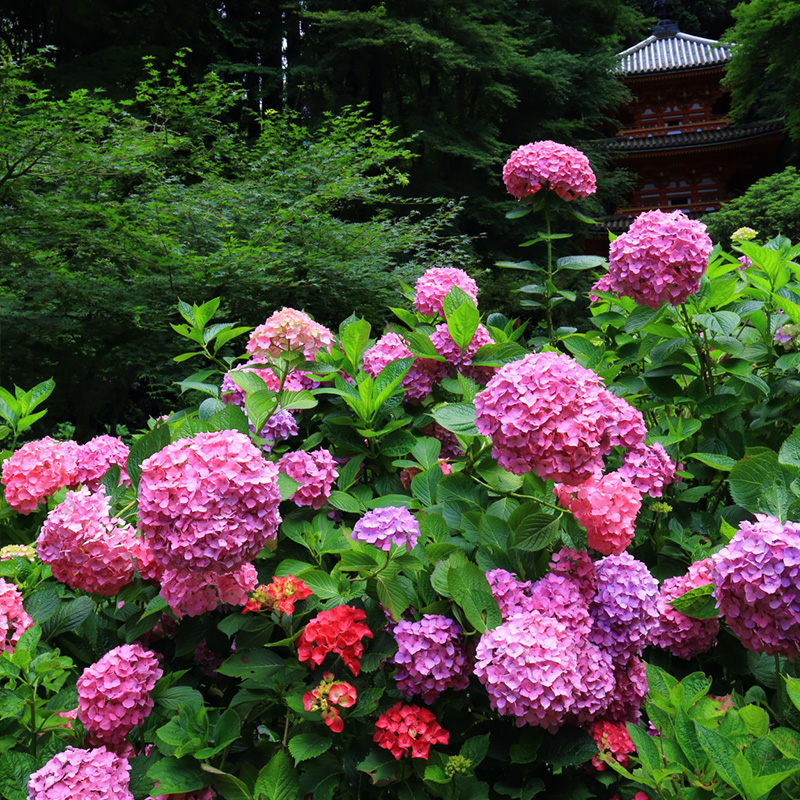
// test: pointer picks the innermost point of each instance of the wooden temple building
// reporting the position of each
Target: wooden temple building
(676, 136)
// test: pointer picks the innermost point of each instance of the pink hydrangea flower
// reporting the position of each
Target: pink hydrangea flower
(462, 359)
(431, 656)
(195, 593)
(649, 469)
(606, 507)
(549, 165)
(630, 690)
(513, 596)
(757, 585)
(14, 620)
(661, 258)
(36, 471)
(209, 502)
(289, 330)
(97, 456)
(96, 774)
(384, 527)
(85, 546)
(114, 692)
(578, 567)
(421, 377)
(684, 636)
(435, 284)
(315, 472)
(547, 413)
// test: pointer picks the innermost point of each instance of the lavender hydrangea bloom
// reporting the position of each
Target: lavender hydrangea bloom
(757, 585)
(384, 527)
(624, 609)
(431, 657)
(281, 425)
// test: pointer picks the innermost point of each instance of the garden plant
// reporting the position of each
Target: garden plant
(459, 558)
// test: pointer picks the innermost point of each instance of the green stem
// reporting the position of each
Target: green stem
(34, 731)
(378, 571)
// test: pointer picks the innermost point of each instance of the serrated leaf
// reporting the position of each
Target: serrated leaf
(536, 532)
(145, 446)
(344, 502)
(277, 780)
(69, 615)
(697, 603)
(722, 754)
(392, 596)
(308, 745)
(177, 775)
(287, 486)
(457, 418)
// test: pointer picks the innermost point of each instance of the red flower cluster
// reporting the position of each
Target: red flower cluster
(338, 630)
(326, 696)
(611, 737)
(280, 595)
(409, 730)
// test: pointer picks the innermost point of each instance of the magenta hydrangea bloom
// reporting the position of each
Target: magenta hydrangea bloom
(97, 456)
(630, 690)
(114, 692)
(649, 469)
(661, 258)
(195, 593)
(624, 607)
(757, 585)
(74, 774)
(513, 596)
(578, 567)
(289, 330)
(598, 684)
(549, 165)
(547, 413)
(315, 472)
(14, 620)
(209, 502)
(431, 656)
(462, 359)
(684, 636)
(606, 507)
(386, 526)
(561, 597)
(36, 471)
(421, 377)
(85, 546)
(434, 286)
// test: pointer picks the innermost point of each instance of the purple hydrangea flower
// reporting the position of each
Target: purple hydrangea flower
(630, 689)
(649, 469)
(513, 596)
(384, 527)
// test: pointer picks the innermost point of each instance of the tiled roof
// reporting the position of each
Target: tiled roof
(675, 141)
(672, 52)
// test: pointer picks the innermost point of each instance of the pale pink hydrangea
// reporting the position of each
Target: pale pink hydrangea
(289, 330)
(77, 774)
(547, 413)
(661, 258)
(757, 585)
(114, 692)
(435, 284)
(513, 596)
(37, 471)
(85, 546)
(14, 620)
(606, 507)
(315, 472)
(386, 526)
(549, 165)
(421, 377)
(684, 636)
(97, 456)
(649, 469)
(431, 656)
(462, 359)
(209, 502)
(195, 593)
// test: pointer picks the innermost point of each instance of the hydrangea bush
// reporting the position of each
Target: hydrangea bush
(447, 561)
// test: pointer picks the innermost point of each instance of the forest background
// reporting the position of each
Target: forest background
(308, 154)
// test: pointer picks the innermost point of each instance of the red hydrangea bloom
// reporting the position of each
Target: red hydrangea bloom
(386, 526)
(435, 284)
(661, 258)
(462, 359)
(281, 594)
(611, 738)
(329, 694)
(421, 377)
(209, 502)
(85, 546)
(409, 731)
(14, 620)
(36, 471)
(549, 165)
(96, 774)
(289, 330)
(757, 585)
(315, 472)
(606, 507)
(547, 413)
(97, 456)
(114, 692)
(431, 656)
(337, 630)
(649, 469)
(195, 593)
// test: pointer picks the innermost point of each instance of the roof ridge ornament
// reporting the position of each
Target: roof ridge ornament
(665, 26)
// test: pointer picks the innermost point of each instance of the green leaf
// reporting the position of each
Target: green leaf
(322, 584)
(354, 339)
(688, 741)
(468, 587)
(567, 747)
(713, 460)
(462, 324)
(15, 770)
(536, 532)
(392, 596)
(174, 697)
(178, 775)
(760, 483)
(277, 780)
(308, 745)
(793, 690)
(424, 485)
(42, 604)
(646, 747)
(640, 317)
(260, 406)
(756, 719)
(344, 502)
(787, 740)
(228, 786)
(421, 345)
(69, 615)
(581, 262)
(145, 446)
(722, 754)
(697, 603)
(457, 418)
(287, 486)
(790, 449)
(186, 732)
